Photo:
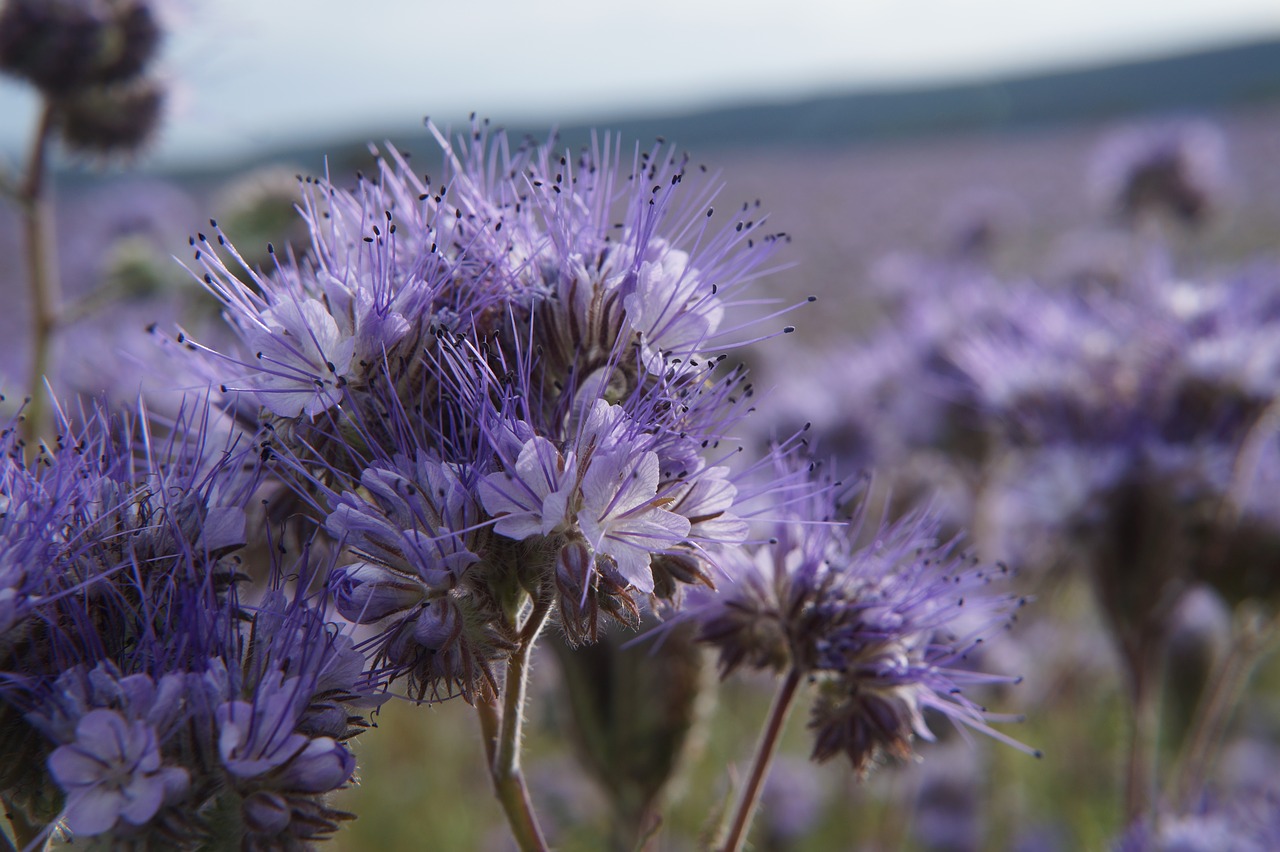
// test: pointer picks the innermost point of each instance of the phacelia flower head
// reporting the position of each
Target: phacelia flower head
(511, 382)
(1154, 400)
(119, 568)
(414, 532)
(108, 519)
(269, 716)
(138, 691)
(1172, 168)
(880, 629)
(279, 717)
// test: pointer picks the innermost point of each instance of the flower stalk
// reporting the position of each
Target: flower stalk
(749, 797)
(1253, 641)
(1147, 674)
(502, 732)
(42, 272)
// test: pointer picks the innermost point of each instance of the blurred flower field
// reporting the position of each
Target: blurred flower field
(853, 214)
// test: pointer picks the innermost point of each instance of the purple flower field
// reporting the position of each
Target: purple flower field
(914, 495)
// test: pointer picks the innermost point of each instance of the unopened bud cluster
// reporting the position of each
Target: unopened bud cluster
(89, 59)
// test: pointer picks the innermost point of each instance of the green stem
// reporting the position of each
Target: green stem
(42, 275)
(502, 733)
(1213, 714)
(749, 797)
(1144, 745)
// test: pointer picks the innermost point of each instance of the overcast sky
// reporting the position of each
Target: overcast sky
(250, 73)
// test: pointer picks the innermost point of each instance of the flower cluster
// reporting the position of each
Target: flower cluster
(143, 701)
(902, 406)
(1149, 408)
(1176, 169)
(504, 394)
(880, 625)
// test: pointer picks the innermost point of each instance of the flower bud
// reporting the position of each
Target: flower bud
(61, 46)
(673, 571)
(107, 120)
(364, 592)
(266, 812)
(864, 723)
(588, 584)
(322, 766)
(436, 627)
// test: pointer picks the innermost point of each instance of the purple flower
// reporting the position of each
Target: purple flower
(621, 515)
(881, 630)
(113, 771)
(322, 766)
(605, 493)
(259, 737)
(281, 771)
(304, 358)
(533, 496)
(81, 690)
(672, 312)
(126, 535)
(1139, 404)
(375, 288)
(416, 532)
(278, 720)
(133, 676)
(1177, 168)
(506, 392)
(281, 774)
(256, 737)
(413, 525)
(28, 537)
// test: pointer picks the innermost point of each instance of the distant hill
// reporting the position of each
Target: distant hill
(1201, 80)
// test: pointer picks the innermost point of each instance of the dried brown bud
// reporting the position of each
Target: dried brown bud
(864, 722)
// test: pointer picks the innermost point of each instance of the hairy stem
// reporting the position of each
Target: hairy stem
(42, 275)
(490, 715)
(502, 733)
(749, 797)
